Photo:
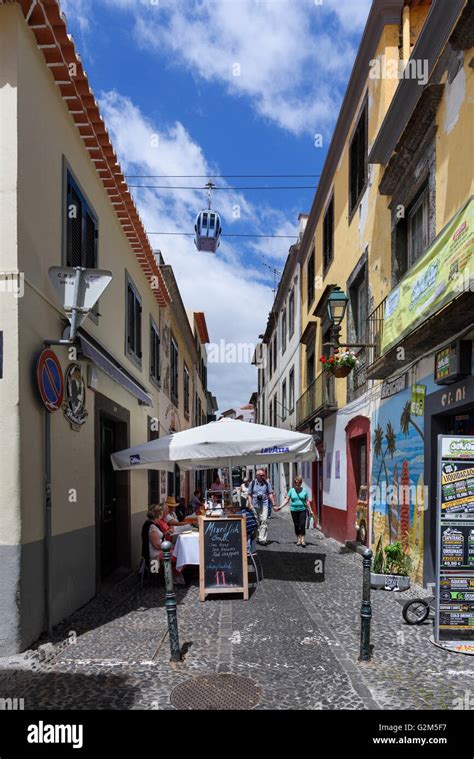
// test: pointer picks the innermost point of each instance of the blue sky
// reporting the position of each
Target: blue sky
(223, 87)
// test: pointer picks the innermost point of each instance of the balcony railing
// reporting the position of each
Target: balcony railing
(375, 333)
(319, 397)
(357, 380)
(426, 336)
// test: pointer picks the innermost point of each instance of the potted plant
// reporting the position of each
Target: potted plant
(391, 567)
(341, 363)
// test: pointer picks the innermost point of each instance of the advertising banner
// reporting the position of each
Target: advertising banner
(438, 277)
(455, 543)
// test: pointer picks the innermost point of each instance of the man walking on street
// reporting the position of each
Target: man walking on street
(260, 494)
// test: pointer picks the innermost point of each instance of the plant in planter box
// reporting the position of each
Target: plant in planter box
(391, 567)
(341, 363)
(396, 561)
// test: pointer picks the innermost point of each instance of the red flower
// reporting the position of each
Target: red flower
(331, 359)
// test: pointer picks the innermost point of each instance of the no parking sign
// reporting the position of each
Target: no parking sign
(50, 380)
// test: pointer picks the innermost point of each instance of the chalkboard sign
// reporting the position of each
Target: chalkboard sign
(222, 556)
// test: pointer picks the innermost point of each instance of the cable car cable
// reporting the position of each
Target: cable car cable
(275, 187)
(221, 176)
(191, 234)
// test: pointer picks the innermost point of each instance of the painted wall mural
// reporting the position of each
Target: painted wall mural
(397, 493)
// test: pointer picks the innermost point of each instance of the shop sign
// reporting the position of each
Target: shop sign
(392, 387)
(418, 394)
(455, 542)
(435, 280)
(75, 396)
(453, 362)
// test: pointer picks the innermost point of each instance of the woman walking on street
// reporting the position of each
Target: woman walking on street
(299, 507)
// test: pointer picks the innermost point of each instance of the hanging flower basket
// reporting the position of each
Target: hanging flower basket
(340, 364)
(341, 371)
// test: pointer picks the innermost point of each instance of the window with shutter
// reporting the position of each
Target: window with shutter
(358, 161)
(74, 229)
(186, 391)
(174, 370)
(131, 319)
(138, 349)
(291, 313)
(134, 322)
(81, 228)
(154, 352)
(310, 280)
(328, 236)
(90, 259)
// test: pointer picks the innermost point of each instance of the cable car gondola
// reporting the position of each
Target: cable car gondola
(208, 227)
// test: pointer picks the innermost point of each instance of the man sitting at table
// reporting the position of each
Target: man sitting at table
(172, 517)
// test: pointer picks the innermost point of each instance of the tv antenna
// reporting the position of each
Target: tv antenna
(276, 276)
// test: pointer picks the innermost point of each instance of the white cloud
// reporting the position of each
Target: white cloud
(235, 297)
(351, 14)
(80, 10)
(289, 57)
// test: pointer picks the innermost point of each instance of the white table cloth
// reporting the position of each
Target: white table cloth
(186, 549)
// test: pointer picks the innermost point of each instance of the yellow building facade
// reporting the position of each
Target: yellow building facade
(396, 174)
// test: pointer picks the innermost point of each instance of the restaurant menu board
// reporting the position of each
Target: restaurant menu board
(455, 545)
(223, 556)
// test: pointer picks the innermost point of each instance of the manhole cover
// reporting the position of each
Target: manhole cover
(216, 692)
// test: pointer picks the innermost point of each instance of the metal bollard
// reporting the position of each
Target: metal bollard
(170, 603)
(366, 608)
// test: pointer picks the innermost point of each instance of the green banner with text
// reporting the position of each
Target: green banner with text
(445, 271)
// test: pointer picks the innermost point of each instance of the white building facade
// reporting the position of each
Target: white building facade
(278, 362)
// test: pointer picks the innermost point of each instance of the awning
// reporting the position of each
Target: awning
(103, 360)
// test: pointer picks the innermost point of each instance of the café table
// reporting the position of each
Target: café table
(186, 549)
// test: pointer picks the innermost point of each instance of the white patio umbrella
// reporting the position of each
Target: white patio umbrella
(218, 444)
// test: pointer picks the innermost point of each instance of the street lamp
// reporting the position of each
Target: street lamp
(336, 309)
(337, 304)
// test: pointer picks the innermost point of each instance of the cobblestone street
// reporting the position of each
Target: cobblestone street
(297, 638)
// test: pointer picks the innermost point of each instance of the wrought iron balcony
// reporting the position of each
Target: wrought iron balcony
(318, 399)
(436, 328)
(357, 379)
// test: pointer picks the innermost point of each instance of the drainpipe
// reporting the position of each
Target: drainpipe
(406, 33)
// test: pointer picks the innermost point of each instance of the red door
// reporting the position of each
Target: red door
(357, 450)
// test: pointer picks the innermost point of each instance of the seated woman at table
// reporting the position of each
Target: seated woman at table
(155, 530)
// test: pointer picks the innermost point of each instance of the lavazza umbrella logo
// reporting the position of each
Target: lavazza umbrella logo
(75, 393)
